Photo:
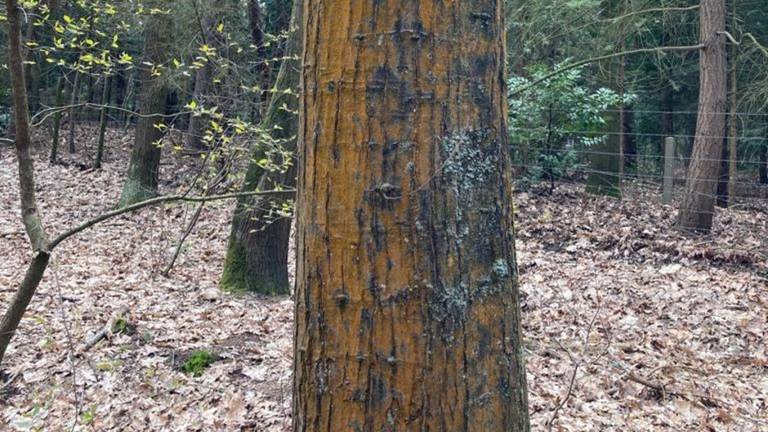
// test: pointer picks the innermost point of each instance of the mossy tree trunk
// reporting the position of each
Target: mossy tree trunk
(698, 206)
(143, 170)
(257, 252)
(407, 304)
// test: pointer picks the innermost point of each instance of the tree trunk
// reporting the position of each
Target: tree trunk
(763, 167)
(204, 77)
(197, 122)
(262, 66)
(605, 161)
(103, 122)
(606, 158)
(53, 158)
(257, 252)
(407, 305)
(630, 144)
(30, 215)
(73, 98)
(733, 126)
(723, 189)
(143, 170)
(697, 209)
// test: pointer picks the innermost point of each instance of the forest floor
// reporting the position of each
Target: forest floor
(629, 326)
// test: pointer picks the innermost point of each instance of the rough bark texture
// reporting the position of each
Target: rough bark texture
(697, 209)
(723, 189)
(407, 313)
(143, 170)
(257, 253)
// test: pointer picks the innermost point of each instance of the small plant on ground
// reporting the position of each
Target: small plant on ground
(198, 361)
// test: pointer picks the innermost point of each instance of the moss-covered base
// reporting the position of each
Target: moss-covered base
(236, 278)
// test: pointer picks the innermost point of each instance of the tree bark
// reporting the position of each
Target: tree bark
(733, 126)
(204, 77)
(407, 304)
(257, 252)
(763, 167)
(105, 93)
(33, 223)
(607, 158)
(723, 189)
(256, 24)
(73, 98)
(54, 156)
(605, 161)
(697, 209)
(143, 170)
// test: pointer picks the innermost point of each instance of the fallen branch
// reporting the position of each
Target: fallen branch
(104, 331)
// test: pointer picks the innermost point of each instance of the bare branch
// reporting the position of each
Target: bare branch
(580, 63)
(155, 201)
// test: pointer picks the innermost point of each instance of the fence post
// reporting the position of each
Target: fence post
(669, 170)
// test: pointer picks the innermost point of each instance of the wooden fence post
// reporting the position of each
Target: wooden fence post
(669, 170)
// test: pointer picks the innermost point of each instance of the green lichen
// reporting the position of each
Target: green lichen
(198, 361)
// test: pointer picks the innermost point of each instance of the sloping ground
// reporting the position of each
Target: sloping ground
(668, 333)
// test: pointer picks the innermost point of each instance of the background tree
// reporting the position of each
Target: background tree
(144, 168)
(407, 301)
(698, 206)
(257, 251)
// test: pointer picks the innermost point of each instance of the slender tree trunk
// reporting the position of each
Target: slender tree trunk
(733, 126)
(73, 98)
(143, 170)
(257, 252)
(53, 158)
(697, 209)
(105, 93)
(204, 77)
(606, 159)
(763, 155)
(262, 66)
(630, 144)
(407, 313)
(29, 212)
(197, 123)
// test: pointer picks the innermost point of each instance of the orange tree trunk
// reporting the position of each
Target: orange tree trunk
(407, 305)
(698, 204)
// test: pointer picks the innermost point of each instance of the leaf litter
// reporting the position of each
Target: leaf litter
(664, 332)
